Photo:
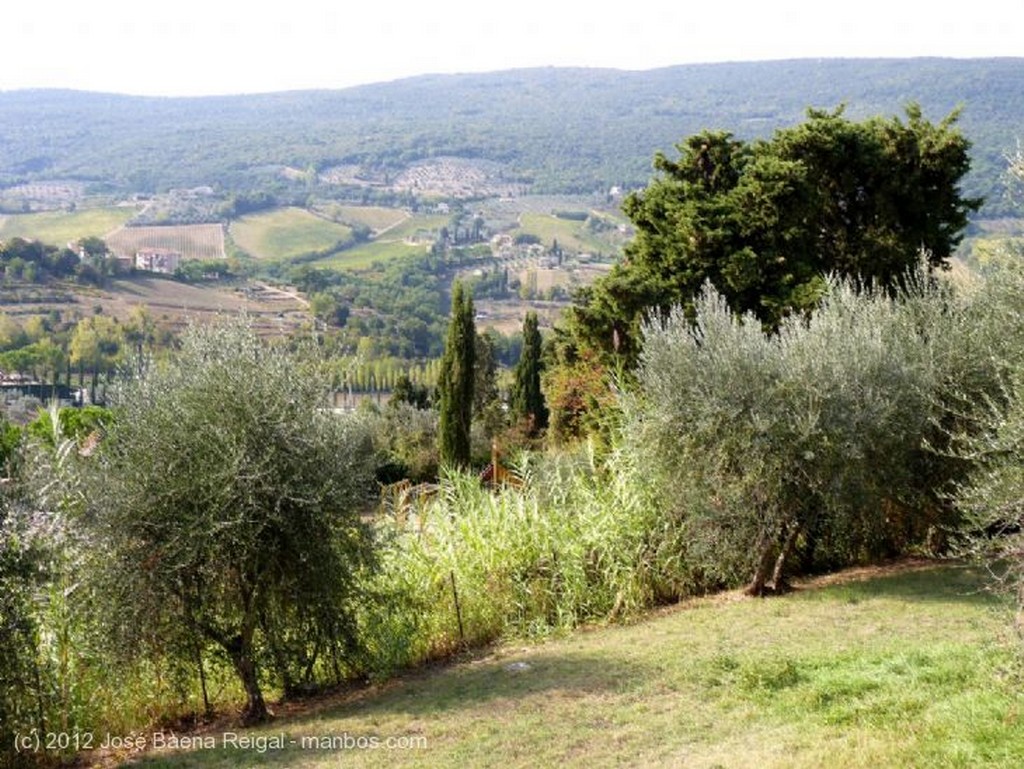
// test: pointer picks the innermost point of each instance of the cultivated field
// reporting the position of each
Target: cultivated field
(572, 236)
(192, 241)
(411, 236)
(377, 218)
(58, 228)
(170, 304)
(285, 233)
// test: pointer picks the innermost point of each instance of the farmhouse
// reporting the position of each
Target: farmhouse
(164, 260)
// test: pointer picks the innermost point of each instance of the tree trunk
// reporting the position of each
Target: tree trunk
(778, 583)
(765, 546)
(240, 651)
(255, 711)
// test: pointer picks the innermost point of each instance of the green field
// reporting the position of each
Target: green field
(410, 237)
(285, 233)
(365, 255)
(908, 668)
(377, 218)
(572, 236)
(58, 228)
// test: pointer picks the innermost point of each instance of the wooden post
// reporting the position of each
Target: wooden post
(458, 610)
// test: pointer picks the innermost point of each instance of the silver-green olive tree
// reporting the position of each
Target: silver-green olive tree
(992, 497)
(810, 444)
(229, 497)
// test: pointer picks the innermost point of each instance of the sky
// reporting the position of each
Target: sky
(204, 47)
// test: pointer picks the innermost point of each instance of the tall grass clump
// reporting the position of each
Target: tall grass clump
(471, 565)
(813, 447)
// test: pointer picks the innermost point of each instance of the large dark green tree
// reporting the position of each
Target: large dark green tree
(528, 406)
(455, 381)
(766, 222)
(229, 498)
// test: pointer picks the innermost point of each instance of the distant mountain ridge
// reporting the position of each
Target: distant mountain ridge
(550, 129)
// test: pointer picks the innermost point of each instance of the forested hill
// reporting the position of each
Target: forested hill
(551, 129)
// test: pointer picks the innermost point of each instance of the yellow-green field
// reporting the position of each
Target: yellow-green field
(377, 218)
(571, 235)
(286, 232)
(365, 255)
(410, 237)
(58, 228)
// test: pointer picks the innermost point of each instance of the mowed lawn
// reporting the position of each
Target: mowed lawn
(286, 232)
(910, 667)
(58, 228)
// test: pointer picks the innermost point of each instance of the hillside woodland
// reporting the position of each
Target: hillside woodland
(533, 131)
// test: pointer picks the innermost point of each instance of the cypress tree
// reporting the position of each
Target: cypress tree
(527, 399)
(455, 382)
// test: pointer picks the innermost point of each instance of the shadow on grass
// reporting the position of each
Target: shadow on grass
(496, 684)
(942, 582)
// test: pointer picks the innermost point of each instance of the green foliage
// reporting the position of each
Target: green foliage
(488, 405)
(766, 222)
(989, 439)
(456, 380)
(76, 424)
(34, 262)
(23, 572)
(406, 434)
(229, 504)
(406, 298)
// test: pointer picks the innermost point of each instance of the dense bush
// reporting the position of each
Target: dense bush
(22, 574)
(740, 457)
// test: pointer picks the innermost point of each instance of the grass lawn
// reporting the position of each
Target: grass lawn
(286, 232)
(904, 668)
(58, 228)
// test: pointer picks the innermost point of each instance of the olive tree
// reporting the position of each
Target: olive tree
(809, 442)
(230, 500)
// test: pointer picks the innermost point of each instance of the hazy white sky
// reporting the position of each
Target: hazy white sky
(195, 47)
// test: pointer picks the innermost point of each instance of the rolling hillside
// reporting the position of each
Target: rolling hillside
(537, 130)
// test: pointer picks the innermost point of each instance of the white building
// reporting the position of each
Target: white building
(164, 260)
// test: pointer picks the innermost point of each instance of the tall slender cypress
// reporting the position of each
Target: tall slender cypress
(527, 399)
(455, 382)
